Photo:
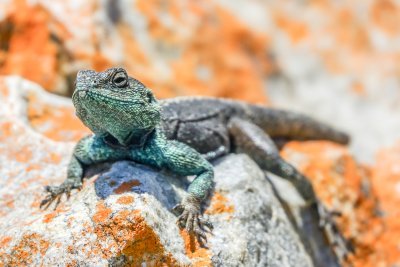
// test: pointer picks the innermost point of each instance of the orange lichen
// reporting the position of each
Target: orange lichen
(8, 200)
(49, 217)
(6, 130)
(28, 44)
(343, 37)
(73, 263)
(53, 158)
(55, 122)
(5, 240)
(26, 250)
(348, 31)
(219, 47)
(33, 167)
(126, 186)
(220, 204)
(132, 49)
(217, 61)
(386, 182)
(102, 213)
(350, 35)
(23, 155)
(4, 91)
(341, 183)
(358, 88)
(386, 15)
(125, 200)
(200, 256)
(221, 57)
(294, 28)
(20, 154)
(132, 237)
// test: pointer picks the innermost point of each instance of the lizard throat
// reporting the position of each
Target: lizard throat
(133, 141)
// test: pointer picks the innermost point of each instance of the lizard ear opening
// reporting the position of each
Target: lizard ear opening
(120, 79)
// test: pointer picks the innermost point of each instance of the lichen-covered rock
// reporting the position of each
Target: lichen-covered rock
(167, 46)
(385, 237)
(122, 215)
(343, 65)
(366, 196)
(342, 68)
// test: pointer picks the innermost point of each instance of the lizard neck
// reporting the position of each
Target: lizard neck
(134, 139)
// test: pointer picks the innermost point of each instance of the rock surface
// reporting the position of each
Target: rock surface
(122, 215)
(345, 186)
(343, 65)
(164, 45)
(335, 60)
(38, 131)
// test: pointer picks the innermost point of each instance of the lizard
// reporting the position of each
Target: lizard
(183, 135)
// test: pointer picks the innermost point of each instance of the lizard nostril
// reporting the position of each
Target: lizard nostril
(149, 97)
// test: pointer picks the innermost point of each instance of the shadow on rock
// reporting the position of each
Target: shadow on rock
(126, 176)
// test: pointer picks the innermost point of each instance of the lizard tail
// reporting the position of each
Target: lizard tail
(293, 126)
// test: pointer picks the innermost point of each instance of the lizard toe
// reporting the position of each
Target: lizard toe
(182, 219)
(205, 224)
(200, 233)
(190, 222)
(340, 244)
(54, 193)
(178, 209)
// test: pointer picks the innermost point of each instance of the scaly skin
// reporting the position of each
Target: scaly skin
(124, 117)
(129, 123)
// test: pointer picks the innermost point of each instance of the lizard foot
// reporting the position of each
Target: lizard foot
(56, 192)
(327, 216)
(340, 244)
(191, 219)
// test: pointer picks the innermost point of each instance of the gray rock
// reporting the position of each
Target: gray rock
(258, 233)
(123, 213)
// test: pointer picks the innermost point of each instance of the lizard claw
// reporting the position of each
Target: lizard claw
(56, 192)
(178, 209)
(190, 218)
(340, 244)
(327, 216)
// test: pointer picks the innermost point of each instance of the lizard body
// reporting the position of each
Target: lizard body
(187, 119)
(129, 123)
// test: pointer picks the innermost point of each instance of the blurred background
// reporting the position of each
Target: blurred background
(338, 61)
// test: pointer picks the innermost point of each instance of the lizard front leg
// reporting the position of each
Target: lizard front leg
(73, 181)
(74, 176)
(184, 160)
(88, 150)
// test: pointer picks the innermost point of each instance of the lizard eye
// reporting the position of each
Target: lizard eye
(120, 79)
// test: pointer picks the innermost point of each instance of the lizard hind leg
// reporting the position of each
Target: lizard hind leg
(248, 138)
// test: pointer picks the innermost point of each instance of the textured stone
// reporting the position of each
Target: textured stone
(335, 60)
(366, 196)
(122, 214)
(385, 237)
(164, 45)
(340, 59)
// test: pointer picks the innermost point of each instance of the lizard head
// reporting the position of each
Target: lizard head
(112, 104)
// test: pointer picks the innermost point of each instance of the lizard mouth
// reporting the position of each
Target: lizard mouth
(101, 97)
